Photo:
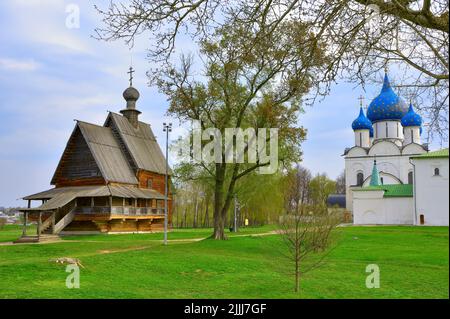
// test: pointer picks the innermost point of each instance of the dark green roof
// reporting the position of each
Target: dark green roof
(436, 154)
(394, 190)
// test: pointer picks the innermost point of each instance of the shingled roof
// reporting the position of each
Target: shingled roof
(140, 143)
(106, 152)
(118, 148)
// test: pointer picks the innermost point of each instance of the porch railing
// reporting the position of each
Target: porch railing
(120, 210)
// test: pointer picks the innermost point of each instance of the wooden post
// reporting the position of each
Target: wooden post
(92, 201)
(39, 225)
(53, 221)
(25, 217)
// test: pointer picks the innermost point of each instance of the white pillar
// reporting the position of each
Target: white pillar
(412, 135)
(388, 129)
(362, 138)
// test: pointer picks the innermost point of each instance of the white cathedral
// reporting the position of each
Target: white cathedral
(391, 177)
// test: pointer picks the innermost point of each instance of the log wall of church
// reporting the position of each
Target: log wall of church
(78, 166)
(157, 183)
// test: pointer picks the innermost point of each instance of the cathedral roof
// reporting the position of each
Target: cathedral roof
(391, 190)
(387, 105)
(411, 118)
(362, 122)
(375, 178)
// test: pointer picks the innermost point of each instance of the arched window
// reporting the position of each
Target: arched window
(150, 183)
(359, 179)
(436, 171)
(382, 180)
(410, 178)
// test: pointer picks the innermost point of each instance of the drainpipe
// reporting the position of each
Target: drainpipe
(414, 191)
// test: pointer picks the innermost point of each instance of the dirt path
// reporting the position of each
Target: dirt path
(187, 240)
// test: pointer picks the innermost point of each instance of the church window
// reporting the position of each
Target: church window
(412, 137)
(387, 130)
(150, 183)
(382, 181)
(436, 171)
(359, 179)
(410, 177)
(398, 134)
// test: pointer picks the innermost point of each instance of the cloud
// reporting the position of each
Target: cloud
(44, 22)
(18, 65)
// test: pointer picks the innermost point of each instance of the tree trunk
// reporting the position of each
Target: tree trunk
(219, 219)
(206, 220)
(195, 213)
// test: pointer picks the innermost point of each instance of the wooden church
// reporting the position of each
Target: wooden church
(110, 178)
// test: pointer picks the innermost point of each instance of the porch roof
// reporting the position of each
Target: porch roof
(58, 197)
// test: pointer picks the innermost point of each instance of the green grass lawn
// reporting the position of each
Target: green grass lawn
(413, 263)
(12, 232)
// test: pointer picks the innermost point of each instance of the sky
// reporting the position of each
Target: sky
(51, 74)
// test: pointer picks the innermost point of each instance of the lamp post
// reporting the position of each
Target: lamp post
(167, 127)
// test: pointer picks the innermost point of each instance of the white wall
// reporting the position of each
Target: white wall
(431, 191)
(371, 208)
(412, 135)
(394, 129)
(362, 138)
(392, 161)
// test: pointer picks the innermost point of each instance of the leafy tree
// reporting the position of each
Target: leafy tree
(250, 83)
(320, 187)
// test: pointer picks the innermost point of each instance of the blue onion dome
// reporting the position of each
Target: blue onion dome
(411, 118)
(361, 122)
(387, 105)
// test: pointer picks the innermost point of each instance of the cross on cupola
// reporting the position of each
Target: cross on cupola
(361, 101)
(131, 75)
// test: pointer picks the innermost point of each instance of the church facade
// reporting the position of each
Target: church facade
(381, 169)
(110, 178)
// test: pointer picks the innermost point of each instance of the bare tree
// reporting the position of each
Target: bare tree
(306, 235)
(363, 36)
(340, 183)
(297, 191)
